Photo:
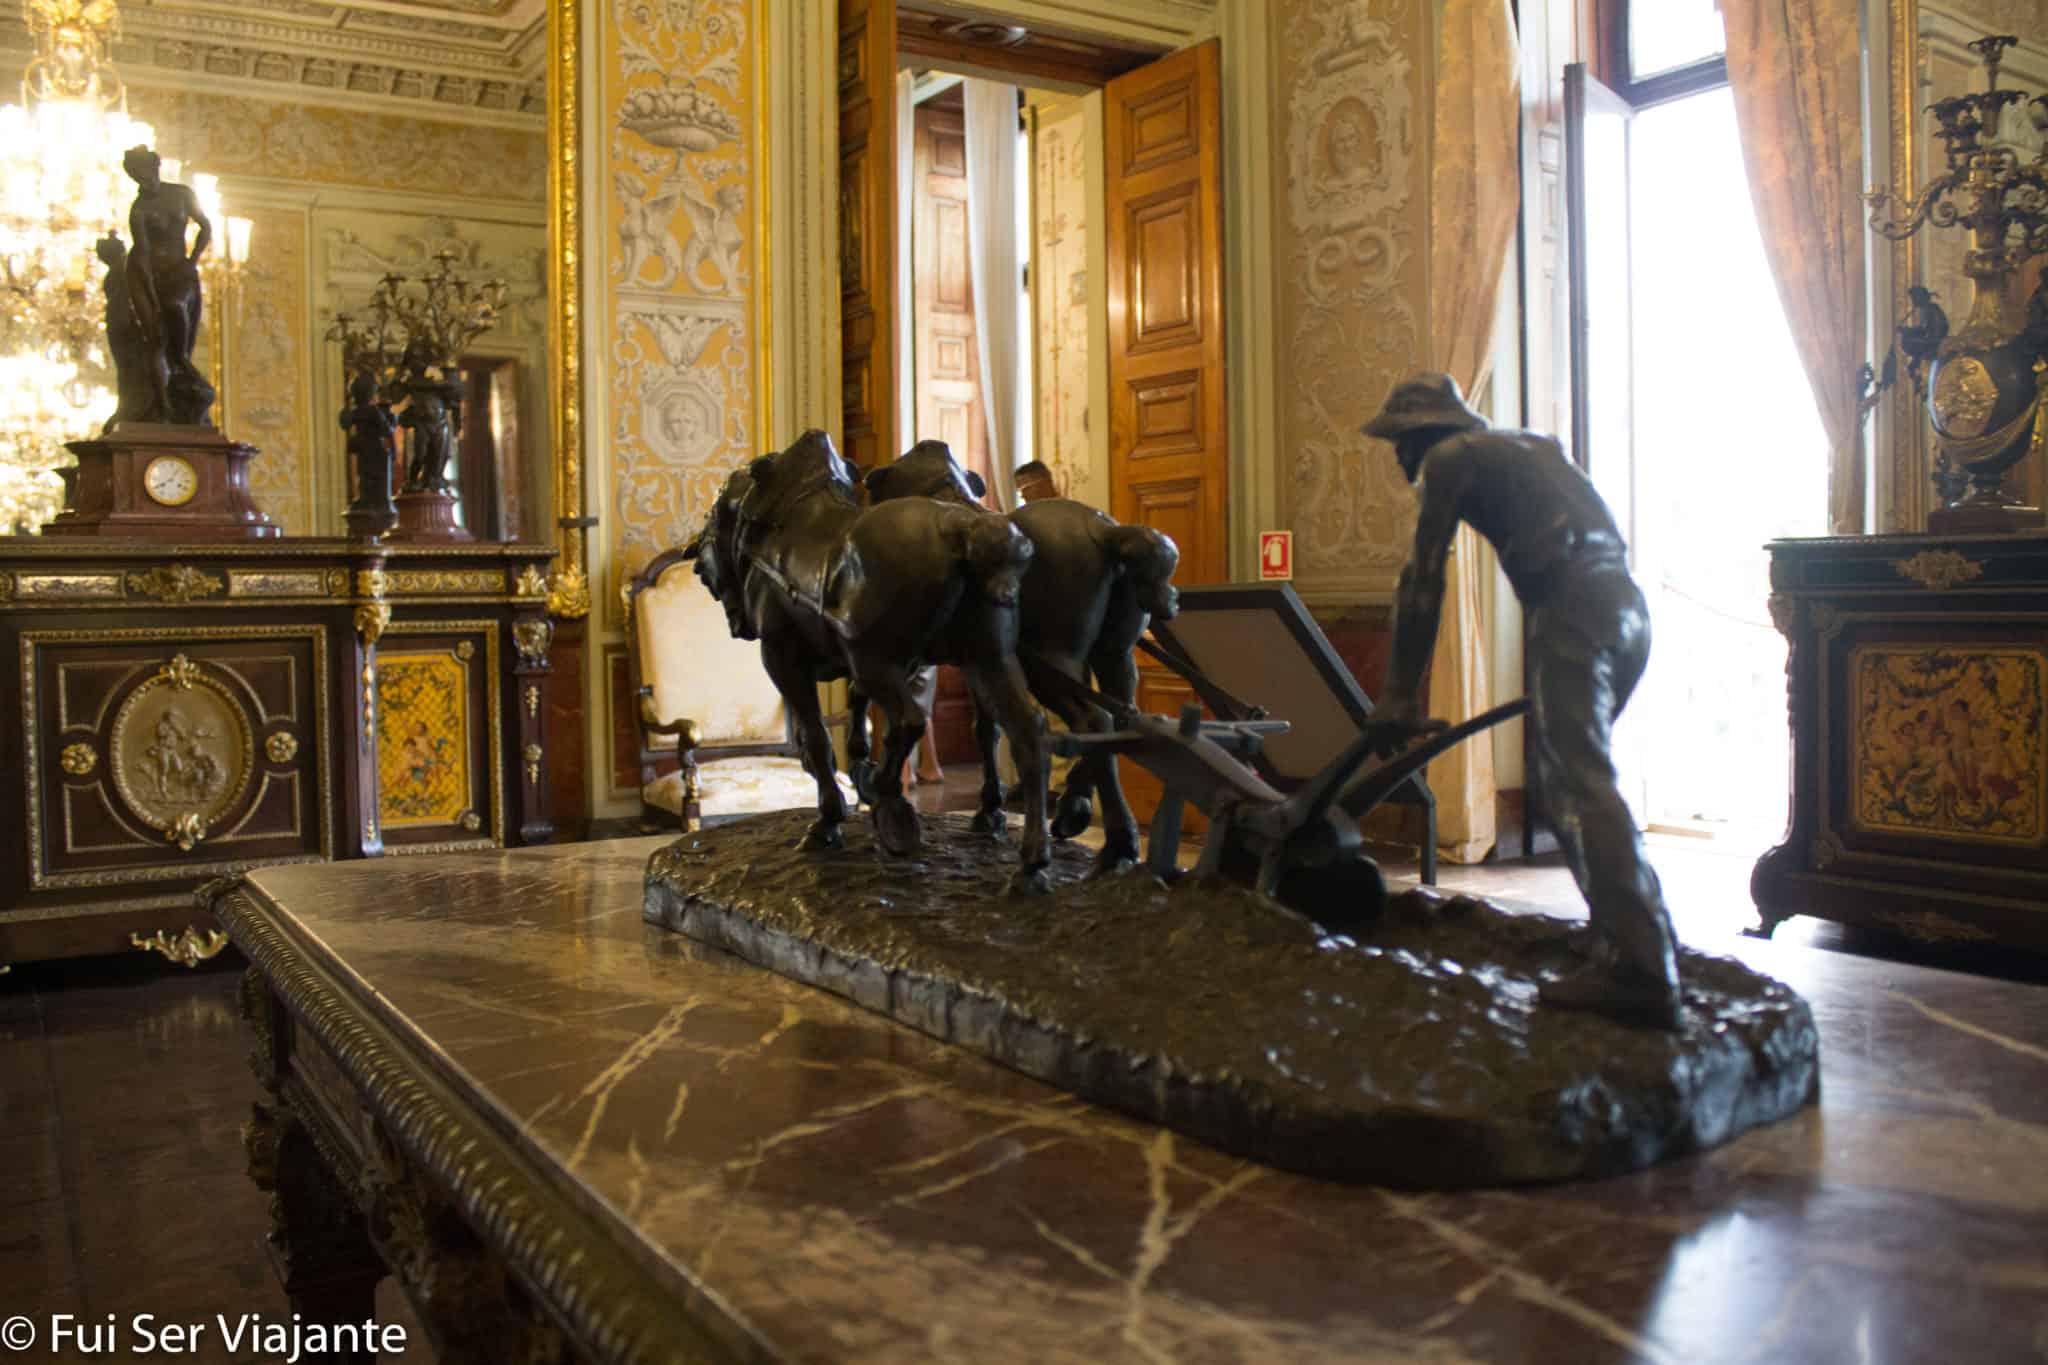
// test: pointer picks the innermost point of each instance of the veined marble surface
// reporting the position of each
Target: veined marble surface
(849, 1190)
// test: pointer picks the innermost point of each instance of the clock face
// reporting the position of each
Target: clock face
(170, 480)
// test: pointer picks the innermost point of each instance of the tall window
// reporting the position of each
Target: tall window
(1694, 417)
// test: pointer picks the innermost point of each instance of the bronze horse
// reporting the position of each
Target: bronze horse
(834, 590)
(1093, 588)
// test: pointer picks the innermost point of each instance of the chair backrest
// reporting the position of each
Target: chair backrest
(684, 657)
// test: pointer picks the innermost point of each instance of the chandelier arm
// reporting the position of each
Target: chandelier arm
(1918, 209)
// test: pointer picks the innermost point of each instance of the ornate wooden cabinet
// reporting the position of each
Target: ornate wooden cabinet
(173, 713)
(1918, 685)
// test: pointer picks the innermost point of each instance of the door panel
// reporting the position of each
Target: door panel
(1168, 443)
(867, 257)
(949, 406)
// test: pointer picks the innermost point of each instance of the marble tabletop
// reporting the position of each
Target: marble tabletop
(844, 1189)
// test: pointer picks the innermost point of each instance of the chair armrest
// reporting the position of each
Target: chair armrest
(685, 731)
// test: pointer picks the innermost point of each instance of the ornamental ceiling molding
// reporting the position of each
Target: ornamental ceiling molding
(1164, 23)
(378, 59)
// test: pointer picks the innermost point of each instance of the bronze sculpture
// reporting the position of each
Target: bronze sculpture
(370, 429)
(163, 288)
(138, 369)
(834, 590)
(427, 417)
(1588, 641)
(1093, 588)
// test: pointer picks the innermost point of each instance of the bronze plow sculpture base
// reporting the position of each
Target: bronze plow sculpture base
(1412, 1053)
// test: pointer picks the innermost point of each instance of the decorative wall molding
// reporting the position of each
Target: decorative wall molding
(1251, 280)
(803, 161)
(1355, 157)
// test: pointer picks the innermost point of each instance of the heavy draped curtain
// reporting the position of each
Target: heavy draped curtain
(991, 130)
(1795, 68)
(1475, 195)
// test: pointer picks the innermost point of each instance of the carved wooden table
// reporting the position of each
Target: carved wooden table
(570, 1135)
(1918, 691)
(176, 712)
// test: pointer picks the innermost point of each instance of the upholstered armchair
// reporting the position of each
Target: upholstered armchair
(702, 699)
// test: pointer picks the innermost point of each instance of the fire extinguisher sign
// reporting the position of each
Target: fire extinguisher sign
(1276, 554)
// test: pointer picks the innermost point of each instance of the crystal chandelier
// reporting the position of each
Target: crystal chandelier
(61, 190)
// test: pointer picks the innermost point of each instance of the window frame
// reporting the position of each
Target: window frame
(1616, 70)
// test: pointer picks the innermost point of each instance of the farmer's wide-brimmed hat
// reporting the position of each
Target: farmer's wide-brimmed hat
(1427, 400)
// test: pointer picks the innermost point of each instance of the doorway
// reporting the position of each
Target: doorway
(1153, 413)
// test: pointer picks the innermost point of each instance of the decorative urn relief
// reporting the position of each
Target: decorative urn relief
(182, 751)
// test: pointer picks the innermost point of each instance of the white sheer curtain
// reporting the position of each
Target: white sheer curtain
(998, 271)
(906, 258)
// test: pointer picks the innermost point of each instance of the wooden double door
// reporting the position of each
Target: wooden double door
(1163, 216)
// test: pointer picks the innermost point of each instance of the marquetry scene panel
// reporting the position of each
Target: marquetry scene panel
(1946, 742)
(439, 736)
(156, 763)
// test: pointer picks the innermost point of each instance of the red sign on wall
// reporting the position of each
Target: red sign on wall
(1276, 554)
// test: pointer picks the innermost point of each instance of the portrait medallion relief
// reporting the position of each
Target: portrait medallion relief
(1964, 395)
(182, 751)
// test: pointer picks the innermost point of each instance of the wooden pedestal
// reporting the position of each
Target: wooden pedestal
(427, 516)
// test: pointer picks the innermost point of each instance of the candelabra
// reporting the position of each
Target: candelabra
(1984, 387)
(408, 344)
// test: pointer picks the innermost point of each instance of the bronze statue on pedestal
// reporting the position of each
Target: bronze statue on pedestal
(163, 289)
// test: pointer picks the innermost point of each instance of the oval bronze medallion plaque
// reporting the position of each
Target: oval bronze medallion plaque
(182, 751)
(1964, 396)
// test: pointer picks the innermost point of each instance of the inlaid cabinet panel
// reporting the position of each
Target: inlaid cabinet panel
(438, 726)
(150, 761)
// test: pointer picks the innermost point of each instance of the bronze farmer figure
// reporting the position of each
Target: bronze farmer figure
(1588, 640)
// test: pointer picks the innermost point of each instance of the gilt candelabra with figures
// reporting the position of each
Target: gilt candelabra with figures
(403, 358)
(1985, 389)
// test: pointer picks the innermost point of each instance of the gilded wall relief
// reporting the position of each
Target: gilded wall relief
(1353, 315)
(1060, 199)
(422, 739)
(678, 93)
(231, 136)
(266, 382)
(1947, 742)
